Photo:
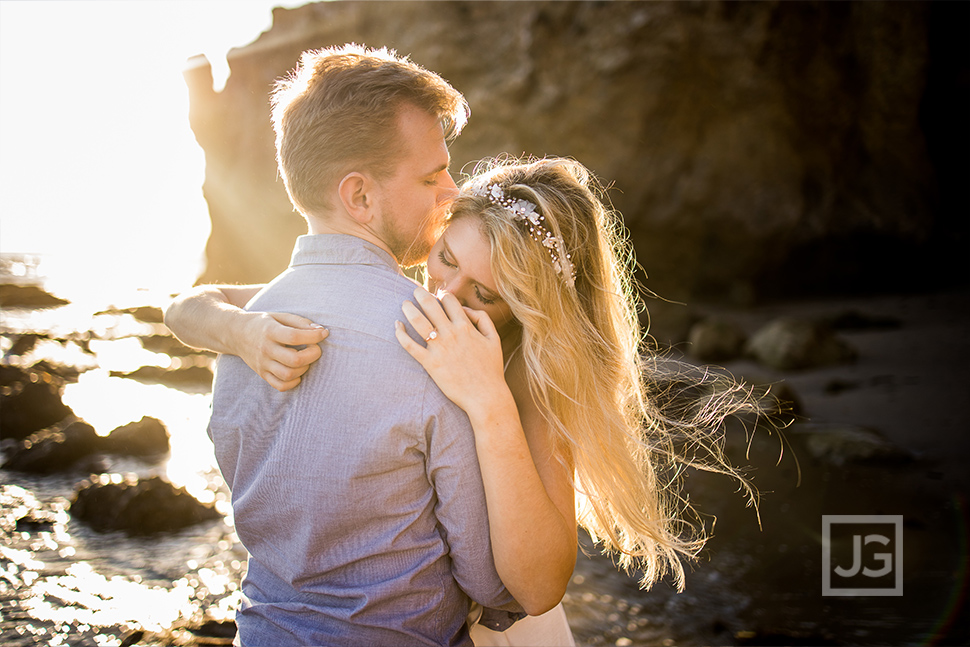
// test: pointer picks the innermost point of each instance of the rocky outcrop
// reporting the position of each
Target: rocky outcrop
(147, 314)
(755, 147)
(30, 400)
(716, 339)
(840, 445)
(54, 449)
(137, 507)
(75, 442)
(182, 377)
(28, 296)
(145, 437)
(792, 344)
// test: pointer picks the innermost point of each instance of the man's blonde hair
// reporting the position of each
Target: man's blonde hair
(336, 112)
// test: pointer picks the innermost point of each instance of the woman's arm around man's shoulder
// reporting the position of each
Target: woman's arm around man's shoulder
(279, 347)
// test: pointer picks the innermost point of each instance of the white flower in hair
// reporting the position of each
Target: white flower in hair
(525, 211)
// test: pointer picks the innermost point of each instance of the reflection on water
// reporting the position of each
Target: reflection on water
(62, 583)
(71, 585)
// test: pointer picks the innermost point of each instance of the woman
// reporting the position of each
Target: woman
(537, 338)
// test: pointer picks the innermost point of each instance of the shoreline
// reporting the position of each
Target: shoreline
(752, 586)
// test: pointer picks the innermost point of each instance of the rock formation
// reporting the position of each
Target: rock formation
(753, 147)
(73, 443)
(137, 507)
(30, 400)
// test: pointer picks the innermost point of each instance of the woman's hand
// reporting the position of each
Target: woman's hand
(528, 493)
(212, 317)
(465, 357)
(279, 347)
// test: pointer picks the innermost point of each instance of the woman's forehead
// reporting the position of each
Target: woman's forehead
(464, 238)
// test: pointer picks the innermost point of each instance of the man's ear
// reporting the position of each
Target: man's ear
(356, 191)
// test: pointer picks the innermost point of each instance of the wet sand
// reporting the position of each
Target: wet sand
(764, 587)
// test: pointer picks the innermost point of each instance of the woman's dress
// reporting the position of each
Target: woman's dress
(551, 629)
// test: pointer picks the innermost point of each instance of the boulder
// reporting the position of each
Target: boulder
(28, 296)
(146, 314)
(54, 449)
(188, 377)
(756, 148)
(716, 339)
(23, 344)
(840, 445)
(789, 343)
(70, 443)
(30, 400)
(137, 507)
(145, 437)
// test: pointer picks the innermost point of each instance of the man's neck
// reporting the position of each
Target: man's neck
(347, 227)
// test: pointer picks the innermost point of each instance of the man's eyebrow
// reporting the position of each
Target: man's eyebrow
(439, 168)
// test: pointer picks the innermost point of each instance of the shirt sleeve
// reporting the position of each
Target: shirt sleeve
(455, 475)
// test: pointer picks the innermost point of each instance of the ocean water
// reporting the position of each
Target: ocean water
(62, 583)
(101, 203)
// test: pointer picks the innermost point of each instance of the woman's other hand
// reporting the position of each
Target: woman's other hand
(280, 347)
(465, 356)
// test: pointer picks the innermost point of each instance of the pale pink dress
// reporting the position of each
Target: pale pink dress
(551, 629)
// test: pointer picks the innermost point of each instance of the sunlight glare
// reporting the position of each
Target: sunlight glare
(99, 170)
(98, 601)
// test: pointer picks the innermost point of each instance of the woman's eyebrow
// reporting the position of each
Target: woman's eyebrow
(491, 294)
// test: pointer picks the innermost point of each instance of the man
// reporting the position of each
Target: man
(358, 495)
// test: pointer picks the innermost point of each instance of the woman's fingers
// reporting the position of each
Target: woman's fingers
(295, 330)
(295, 358)
(456, 312)
(418, 321)
(413, 348)
(481, 320)
(431, 307)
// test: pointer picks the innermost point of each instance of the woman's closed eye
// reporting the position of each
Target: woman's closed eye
(481, 297)
(445, 261)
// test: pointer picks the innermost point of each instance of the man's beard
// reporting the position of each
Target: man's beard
(412, 250)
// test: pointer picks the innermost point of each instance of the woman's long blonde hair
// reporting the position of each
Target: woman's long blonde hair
(581, 345)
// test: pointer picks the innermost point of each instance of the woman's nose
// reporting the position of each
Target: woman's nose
(451, 286)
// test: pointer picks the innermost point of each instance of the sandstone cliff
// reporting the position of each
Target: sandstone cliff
(753, 148)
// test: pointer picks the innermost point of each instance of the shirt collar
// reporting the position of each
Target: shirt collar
(340, 249)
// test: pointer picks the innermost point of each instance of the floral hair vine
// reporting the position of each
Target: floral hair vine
(525, 211)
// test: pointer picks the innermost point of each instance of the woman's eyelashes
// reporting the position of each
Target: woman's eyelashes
(478, 293)
(482, 297)
(444, 260)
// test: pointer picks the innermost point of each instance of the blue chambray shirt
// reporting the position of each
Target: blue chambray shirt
(358, 494)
